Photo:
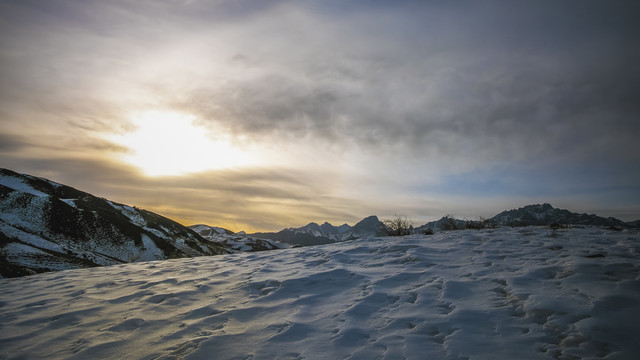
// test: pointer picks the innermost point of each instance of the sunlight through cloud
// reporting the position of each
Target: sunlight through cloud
(166, 143)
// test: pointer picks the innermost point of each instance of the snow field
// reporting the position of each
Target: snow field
(509, 293)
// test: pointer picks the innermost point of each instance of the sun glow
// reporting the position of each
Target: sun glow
(169, 143)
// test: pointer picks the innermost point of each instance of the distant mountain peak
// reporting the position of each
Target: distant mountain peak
(369, 225)
(529, 215)
(540, 207)
(546, 214)
(235, 242)
(314, 234)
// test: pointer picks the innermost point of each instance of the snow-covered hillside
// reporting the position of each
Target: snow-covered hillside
(47, 226)
(507, 293)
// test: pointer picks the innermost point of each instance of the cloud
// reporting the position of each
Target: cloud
(453, 90)
(405, 101)
(9, 143)
(424, 75)
(247, 199)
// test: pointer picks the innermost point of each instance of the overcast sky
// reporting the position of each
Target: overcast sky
(298, 111)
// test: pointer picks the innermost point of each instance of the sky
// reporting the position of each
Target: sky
(261, 115)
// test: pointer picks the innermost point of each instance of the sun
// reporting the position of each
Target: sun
(170, 143)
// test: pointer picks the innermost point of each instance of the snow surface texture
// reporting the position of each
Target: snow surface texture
(508, 293)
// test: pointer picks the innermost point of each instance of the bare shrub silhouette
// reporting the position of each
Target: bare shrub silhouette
(399, 225)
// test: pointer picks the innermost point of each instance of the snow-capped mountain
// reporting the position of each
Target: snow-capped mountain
(326, 230)
(314, 234)
(367, 227)
(47, 226)
(232, 241)
(546, 214)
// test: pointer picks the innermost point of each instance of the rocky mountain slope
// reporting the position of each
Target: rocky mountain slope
(530, 215)
(47, 226)
(546, 214)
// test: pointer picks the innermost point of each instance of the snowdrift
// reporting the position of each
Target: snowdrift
(507, 293)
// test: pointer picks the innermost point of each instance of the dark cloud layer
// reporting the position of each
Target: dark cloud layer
(521, 80)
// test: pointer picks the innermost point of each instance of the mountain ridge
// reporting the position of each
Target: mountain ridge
(529, 215)
(545, 214)
(314, 234)
(235, 242)
(47, 226)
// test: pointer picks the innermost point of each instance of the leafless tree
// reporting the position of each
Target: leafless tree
(398, 225)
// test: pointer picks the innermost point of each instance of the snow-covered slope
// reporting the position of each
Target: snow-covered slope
(507, 293)
(47, 226)
(232, 241)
